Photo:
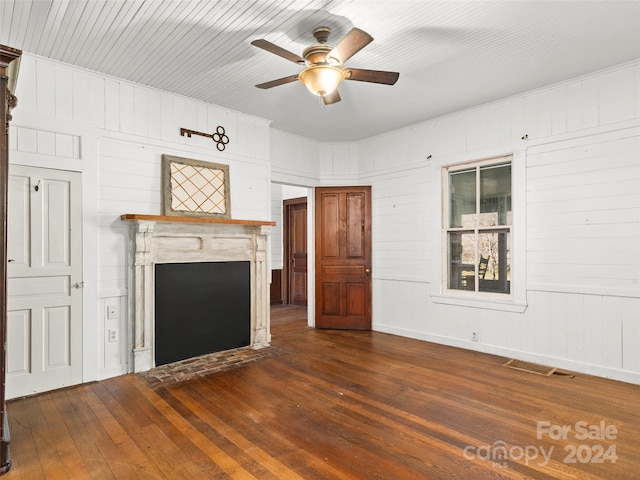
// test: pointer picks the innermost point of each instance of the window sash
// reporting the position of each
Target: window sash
(478, 227)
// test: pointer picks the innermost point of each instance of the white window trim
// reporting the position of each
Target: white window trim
(516, 300)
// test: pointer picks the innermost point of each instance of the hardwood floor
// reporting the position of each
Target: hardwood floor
(334, 405)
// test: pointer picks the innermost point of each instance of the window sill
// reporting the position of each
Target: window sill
(486, 304)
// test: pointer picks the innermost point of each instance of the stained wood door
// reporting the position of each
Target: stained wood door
(295, 234)
(44, 285)
(343, 257)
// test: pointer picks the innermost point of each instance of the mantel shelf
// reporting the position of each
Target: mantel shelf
(173, 218)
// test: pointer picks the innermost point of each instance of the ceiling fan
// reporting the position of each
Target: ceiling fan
(325, 64)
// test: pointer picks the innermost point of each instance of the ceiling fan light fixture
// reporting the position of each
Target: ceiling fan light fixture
(321, 80)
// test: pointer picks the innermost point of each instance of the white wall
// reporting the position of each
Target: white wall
(115, 132)
(277, 252)
(576, 237)
(577, 207)
(576, 254)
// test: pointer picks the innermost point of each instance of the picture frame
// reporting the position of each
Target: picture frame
(195, 188)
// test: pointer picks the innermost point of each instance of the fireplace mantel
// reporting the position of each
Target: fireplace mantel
(175, 219)
(172, 239)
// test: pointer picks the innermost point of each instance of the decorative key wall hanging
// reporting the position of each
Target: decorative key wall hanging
(218, 136)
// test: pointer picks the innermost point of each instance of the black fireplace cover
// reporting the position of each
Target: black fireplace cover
(201, 308)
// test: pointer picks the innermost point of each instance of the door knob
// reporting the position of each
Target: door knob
(367, 271)
(11, 260)
(79, 285)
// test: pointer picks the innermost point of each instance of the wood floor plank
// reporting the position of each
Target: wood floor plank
(27, 465)
(178, 437)
(232, 408)
(221, 458)
(332, 404)
(44, 439)
(118, 461)
(147, 437)
(85, 443)
(73, 463)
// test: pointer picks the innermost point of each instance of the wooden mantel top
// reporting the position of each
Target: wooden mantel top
(172, 218)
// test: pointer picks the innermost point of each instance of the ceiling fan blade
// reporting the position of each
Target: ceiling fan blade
(333, 97)
(354, 41)
(373, 76)
(281, 52)
(279, 81)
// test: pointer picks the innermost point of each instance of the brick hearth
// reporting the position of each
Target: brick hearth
(204, 365)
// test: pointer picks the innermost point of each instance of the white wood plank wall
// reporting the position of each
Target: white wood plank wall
(576, 178)
(277, 253)
(64, 110)
(581, 232)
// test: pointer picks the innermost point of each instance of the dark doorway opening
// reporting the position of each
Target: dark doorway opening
(201, 308)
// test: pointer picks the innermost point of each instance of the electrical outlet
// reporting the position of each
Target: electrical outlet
(112, 312)
(474, 336)
(113, 335)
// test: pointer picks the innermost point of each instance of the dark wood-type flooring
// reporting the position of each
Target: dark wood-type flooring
(334, 405)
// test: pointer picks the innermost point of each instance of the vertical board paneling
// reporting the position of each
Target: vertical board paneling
(593, 322)
(81, 97)
(141, 111)
(575, 327)
(559, 110)
(127, 108)
(574, 106)
(590, 103)
(45, 91)
(97, 104)
(112, 105)
(168, 125)
(558, 328)
(612, 332)
(63, 93)
(154, 112)
(545, 113)
(630, 334)
(614, 91)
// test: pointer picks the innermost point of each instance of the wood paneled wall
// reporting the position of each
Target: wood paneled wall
(576, 258)
(577, 236)
(115, 133)
(577, 266)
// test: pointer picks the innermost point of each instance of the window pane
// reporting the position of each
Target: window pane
(495, 195)
(461, 261)
(495, 252)
(462, 208)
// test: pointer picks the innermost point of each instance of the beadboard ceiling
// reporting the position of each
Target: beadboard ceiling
(451, 55)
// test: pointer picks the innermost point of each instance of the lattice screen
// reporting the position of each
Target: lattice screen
(195, 188)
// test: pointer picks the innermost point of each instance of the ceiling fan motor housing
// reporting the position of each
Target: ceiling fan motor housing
(316, 54)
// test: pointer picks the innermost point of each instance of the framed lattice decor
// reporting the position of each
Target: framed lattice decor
(193, 188)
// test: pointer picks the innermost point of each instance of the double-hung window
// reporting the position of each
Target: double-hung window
(477, 225)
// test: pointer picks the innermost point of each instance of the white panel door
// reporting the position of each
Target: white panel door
(44, 285)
